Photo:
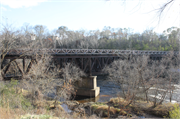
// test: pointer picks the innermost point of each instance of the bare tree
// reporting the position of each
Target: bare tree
(163, 7)
(70, 74)
(141, 77)
(10, 39)
(45, 78)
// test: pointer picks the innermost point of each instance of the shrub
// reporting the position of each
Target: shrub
(10, 97)
(175, 113)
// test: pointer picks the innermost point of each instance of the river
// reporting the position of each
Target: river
(108, 89)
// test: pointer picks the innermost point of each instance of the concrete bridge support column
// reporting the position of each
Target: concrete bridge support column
(88, 87)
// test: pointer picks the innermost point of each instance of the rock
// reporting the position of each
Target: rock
(47, 98)
(88, 105)
(79, 110)
(71, 102)
(59, 108)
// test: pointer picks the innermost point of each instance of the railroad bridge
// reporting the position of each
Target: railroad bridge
(91, 61)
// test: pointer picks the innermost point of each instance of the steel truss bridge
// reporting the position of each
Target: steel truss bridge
(87, 51)
(91, 61)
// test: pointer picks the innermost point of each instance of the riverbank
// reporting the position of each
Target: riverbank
(114, 108)
(117, 107)
(103, 106)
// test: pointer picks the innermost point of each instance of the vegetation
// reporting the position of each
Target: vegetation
(123, 39)
(9, 90)
(104, 111)
(107, 38)
(175, 113)
(138, 77)
(141, 77)
(30, 94)
(167, 110)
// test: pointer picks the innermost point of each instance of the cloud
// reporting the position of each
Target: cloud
(21, 3)
(3, 8)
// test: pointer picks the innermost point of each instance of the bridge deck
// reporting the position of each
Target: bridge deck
(91, 61)
(87, 52)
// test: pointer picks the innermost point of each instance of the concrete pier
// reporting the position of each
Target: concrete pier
(88, 87)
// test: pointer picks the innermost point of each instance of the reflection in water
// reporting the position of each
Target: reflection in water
(81, 99)
(99, 98)
(105, 95)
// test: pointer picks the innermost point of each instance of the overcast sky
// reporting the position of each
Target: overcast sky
(90, 14)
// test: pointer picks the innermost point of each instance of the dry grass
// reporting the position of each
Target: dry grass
(40, 107)
(6, 114)
(160, 110)
(141, 107)
(115, 107)
(10, 113)
(103, 110)
(43, 109)
(163, 110)
(36, 113)
(118, 100)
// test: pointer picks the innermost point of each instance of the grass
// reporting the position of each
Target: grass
(100, 103)
(30, 116)
(110, 109)
(12, 102)
(160, 110)
(103, 110)
(141, 107)
(7, 113)
(175, 112)
(15, 102)
(118, 101)
(42, 109)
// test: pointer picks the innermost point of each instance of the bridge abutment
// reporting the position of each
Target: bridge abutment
(88, 87)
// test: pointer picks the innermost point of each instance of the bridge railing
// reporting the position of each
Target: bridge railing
(87, 51)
